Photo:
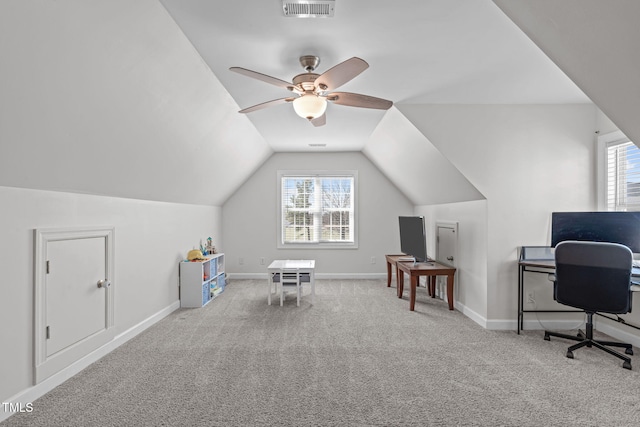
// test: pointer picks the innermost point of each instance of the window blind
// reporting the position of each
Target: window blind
(623, 177)
(317, 209)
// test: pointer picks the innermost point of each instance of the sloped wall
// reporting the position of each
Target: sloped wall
(413, 164)
(595, 43)
(528, 161)
(110, 98)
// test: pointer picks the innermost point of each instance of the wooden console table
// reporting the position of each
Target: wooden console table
(431, 270)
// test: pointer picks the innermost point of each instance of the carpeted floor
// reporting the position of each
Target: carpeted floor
(358, 357)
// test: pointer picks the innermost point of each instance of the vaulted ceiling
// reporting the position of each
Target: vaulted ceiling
(419, 51)
(135, 99)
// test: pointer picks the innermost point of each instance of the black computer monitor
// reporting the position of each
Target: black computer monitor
(614, 227)
(413, 237)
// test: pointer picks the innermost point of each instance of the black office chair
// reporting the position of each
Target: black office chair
(596, 277)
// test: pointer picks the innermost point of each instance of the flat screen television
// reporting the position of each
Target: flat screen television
(413, 237)
(614, 227)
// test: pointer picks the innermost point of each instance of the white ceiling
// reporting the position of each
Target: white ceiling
(419, 52)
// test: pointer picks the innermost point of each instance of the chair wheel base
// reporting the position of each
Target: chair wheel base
(547, 337)
(629, 351)
(626, 365)
(570, 354)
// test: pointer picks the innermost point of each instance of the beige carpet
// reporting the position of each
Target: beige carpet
(358, 357)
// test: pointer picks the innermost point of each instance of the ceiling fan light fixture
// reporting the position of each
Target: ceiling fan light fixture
(310, 106)
(313, 91)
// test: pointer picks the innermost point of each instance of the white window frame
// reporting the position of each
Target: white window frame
(604, 143)
(317, 244)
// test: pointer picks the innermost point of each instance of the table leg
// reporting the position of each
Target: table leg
(388, 274)
(412, 295)
(450, 290)
(431, 281)
(270, 283)
(520, 302)
(400, 285)
(397, 273)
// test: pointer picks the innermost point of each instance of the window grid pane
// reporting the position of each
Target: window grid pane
(297, 194)
(317, 209)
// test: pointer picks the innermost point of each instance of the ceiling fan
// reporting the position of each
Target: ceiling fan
(312, 91)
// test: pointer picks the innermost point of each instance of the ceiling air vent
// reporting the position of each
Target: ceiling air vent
(308, 8)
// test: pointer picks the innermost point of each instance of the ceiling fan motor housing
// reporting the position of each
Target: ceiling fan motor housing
(305, 81)
(309, 62)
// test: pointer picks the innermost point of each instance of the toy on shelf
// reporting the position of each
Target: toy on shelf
(210, 248)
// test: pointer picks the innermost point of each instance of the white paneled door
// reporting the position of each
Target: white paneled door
(75, 304)
(446, 241)
(74, 296)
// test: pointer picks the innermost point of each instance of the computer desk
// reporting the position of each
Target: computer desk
(547, 266)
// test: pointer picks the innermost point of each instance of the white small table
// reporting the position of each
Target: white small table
(304, 266)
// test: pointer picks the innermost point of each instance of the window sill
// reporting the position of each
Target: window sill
(317, 245)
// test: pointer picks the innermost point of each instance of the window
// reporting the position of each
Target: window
(622, 176)
(317, 209)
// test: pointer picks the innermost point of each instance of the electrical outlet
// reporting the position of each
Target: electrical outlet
(531, 297)
(373, 260)
(261, 260)
(241, 261)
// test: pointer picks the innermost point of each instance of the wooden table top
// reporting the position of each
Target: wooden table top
(425, 267)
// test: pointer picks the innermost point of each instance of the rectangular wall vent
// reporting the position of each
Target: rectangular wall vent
(308, 8)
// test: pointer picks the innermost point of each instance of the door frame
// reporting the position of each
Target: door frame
(45, 366)
(440, 280)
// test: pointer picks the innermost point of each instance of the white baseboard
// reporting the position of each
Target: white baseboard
(265, 276)
(480, 320)
(512, 324)
(533, 324)
(32, 393)
(620, 333)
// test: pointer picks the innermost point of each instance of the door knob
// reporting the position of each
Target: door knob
(104, 283)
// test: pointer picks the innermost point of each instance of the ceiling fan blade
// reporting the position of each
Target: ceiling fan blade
(266, 104)
(262, 77)
(319, 121)
(340, 74)
(357, 100)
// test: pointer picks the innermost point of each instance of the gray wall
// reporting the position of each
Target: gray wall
(249, 218)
